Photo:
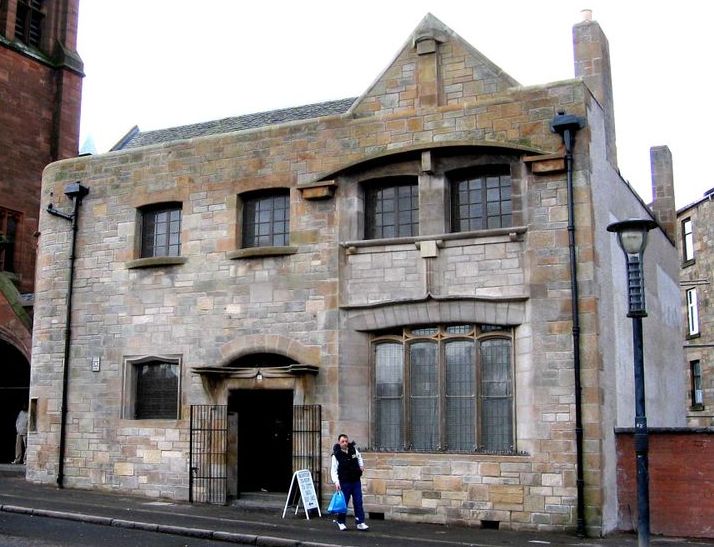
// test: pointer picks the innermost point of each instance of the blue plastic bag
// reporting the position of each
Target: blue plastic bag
(337, 503)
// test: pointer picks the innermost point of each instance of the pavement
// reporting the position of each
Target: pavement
(264, 526)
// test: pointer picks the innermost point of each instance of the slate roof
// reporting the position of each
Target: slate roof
(136, 138)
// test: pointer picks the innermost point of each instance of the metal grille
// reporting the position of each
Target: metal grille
(307, 442)
(208, 477)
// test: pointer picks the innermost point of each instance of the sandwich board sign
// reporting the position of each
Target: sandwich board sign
(303, 479)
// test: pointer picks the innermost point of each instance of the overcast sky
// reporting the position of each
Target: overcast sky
(164, 63)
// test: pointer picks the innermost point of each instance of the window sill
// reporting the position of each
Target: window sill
(693, 336)
(697, 408)
(513, 233)
(156, 262)
(259, 252)
(688, 263)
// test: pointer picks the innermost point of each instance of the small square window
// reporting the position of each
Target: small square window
(152, 388)
(266, 219)
(392, 208)
(161, 230)
(481, 201)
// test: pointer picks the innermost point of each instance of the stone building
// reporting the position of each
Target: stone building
(40, 88)
(696, 247)
(396, 266)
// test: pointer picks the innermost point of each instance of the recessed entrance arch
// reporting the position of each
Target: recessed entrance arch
(264, 438)
(14, 394)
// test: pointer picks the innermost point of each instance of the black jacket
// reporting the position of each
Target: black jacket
(347, 463)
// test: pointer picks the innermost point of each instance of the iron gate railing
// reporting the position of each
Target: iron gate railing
(307, 443)
(208, 476)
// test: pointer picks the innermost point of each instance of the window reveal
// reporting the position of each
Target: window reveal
(697, 385)
(266, 220)
(444, 389)
(161, 231)
(9, 221)
(28, 22)
(481, 201)
(687, 240)
(692, 313)
(392, 209)
(152, 387)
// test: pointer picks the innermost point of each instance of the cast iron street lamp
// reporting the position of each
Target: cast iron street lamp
(632, 238)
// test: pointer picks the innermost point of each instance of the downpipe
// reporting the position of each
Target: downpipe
(75, 191)
(567, 125)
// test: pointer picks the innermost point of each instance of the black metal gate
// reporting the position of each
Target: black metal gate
(208, 476)
(307, 443)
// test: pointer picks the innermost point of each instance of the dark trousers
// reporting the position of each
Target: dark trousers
(352, 490)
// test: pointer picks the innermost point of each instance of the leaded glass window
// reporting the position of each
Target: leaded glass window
(161, 230)
(392, 208)
(481, 201)
(458, 385)
(266, 219)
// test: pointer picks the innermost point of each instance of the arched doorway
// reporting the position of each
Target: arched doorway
(269, 426)
(14, 394)
(264, 420)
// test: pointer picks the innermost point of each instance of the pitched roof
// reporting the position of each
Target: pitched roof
(136, 138)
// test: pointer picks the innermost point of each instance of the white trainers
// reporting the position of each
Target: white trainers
(362, 526)
(343, 527)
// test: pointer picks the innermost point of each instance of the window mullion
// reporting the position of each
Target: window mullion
(407, 397)
(441, 382)
(478, 393)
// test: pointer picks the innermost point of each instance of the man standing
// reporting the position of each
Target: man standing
(345, 472)
(21, 437)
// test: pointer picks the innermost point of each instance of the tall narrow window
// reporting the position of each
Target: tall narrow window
(444, 388)
(496, 395)
(481, 201)
(697, 389)
(161, 230)
(460, 395)
(9, 221)
(28, 22)
(389, 395)
(392, 208)
(266, 219)
(424, 395)
(692, 312)
(687, 240)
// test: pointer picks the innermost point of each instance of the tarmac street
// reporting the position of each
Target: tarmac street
(260, 526)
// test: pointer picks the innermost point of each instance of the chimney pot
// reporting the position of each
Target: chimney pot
(587, 14)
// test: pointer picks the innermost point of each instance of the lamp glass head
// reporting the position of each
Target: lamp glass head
(632, 241)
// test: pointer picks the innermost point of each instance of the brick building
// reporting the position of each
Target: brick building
(396, 266)
(40, 88)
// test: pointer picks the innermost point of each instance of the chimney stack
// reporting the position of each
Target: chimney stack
(663, 204)
(592, 64)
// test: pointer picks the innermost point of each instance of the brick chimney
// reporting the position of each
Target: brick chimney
(592, 64)
(663, 189)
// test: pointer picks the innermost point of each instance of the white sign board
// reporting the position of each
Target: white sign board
(303, 478)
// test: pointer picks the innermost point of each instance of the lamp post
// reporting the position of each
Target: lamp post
(632, 238)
